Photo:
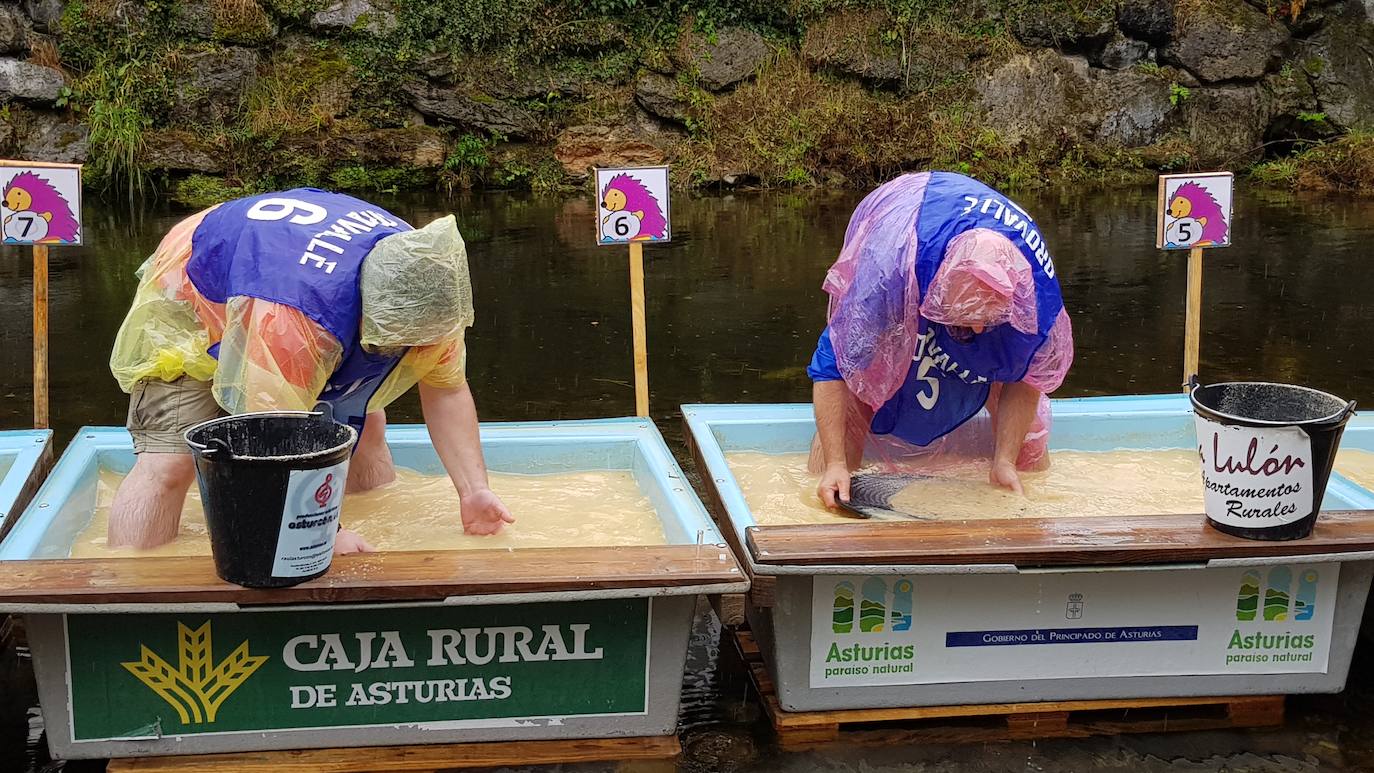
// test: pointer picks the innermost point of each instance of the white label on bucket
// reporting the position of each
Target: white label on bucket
(309, 521)
(1255, 477)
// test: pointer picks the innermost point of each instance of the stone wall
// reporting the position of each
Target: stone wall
(248, 94)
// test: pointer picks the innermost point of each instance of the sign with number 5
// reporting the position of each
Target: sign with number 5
(1194, 211)
(40, 203)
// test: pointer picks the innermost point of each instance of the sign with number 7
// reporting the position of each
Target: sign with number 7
(40, 203)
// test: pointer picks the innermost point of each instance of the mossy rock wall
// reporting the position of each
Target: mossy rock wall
(214, 98)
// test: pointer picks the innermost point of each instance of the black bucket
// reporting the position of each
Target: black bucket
(1267, 451)
(272, 484)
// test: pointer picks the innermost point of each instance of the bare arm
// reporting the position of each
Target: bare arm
(1015, 413)
(831, 404)
(451, 417)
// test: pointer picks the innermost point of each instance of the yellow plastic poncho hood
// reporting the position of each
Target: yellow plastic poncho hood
(415, 288)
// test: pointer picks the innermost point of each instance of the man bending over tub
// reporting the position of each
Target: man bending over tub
(281, 302)
(943, 300)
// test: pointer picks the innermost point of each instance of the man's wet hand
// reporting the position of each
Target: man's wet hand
(834, 485)
(1003, 475)
(349, 541)
(484, 513)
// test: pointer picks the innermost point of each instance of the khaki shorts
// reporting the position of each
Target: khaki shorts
(160, 411)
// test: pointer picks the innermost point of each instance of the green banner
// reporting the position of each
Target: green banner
(174, 674)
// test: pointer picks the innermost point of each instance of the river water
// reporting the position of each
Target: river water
(734, 307)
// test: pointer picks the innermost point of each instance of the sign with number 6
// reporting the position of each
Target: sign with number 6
(1194, 211)
(632, 205)
(40, 203)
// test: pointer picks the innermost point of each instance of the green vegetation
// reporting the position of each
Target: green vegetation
(335, 109)
(201, 191)
(1344, 165)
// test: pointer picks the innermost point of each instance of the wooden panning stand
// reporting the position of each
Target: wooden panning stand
(148, 592)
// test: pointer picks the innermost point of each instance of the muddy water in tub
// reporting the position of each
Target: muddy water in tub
(420, 512)
(1357, 465)
(779, 490)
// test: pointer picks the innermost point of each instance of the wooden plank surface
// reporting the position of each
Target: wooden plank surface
(1045, 541)
(388, 576)
(410, 758)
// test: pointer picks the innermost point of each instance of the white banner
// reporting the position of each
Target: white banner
(932, 629)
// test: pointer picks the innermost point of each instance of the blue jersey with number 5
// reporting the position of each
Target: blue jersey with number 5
(949, 378)
(302, 248)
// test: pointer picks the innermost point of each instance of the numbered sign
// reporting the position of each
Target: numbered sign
(40, 203)
(632, 205)
(1194, 211)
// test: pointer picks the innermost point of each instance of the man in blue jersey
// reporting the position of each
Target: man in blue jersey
(286, 301)
(943, 301)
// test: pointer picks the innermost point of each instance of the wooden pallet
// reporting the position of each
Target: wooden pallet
(417, 759)
(1002, 721)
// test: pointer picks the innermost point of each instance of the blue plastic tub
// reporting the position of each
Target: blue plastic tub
(614, 669)
(996, 632)
(25, 456)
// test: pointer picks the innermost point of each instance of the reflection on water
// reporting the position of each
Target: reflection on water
(734, 308)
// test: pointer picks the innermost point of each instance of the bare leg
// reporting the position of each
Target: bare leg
(371, 465)
(146, 511)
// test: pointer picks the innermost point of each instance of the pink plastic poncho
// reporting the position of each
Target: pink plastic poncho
(876, 306)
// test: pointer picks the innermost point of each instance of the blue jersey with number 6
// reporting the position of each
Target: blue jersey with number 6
(302, 248)
(949, 378)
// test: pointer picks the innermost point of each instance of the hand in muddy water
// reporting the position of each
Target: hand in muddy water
(349, 541)
(1003, 475)
(833, 485)
(483, 513)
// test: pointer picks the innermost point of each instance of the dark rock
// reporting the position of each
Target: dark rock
(734, 55)
(29, 82)
(1043, 96)
(1149, 20)
(1225, 124)
(852, 43)
(473, 110)
(13, 31)
(1135, 107)
(194, 18)
(661, 96)
(46, 15)
(210, 83)
(1062, 28)
(1227, 42)
(52, 137)
(417, 147)
(580, 148)
(437, 67)
(1341, 67)
(1037, 96)
(1122, 53)
(374, 16)
(180, 151)
(537, 83)
(1294, 113)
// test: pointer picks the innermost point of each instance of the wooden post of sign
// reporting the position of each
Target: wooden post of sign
(40, 336)
(640, 335)
(1192, 331)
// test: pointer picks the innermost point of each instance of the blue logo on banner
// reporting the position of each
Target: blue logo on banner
(1116, 635)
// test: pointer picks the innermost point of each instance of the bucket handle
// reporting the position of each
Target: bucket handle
(216, 445)
(1348, 411)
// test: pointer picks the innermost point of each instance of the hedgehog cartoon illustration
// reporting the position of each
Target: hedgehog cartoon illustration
(27, 192)
(626, 194)
(1195, 202)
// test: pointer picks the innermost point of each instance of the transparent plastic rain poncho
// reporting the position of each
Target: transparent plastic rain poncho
(272, 356)
(415, 287)
(876, 306)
